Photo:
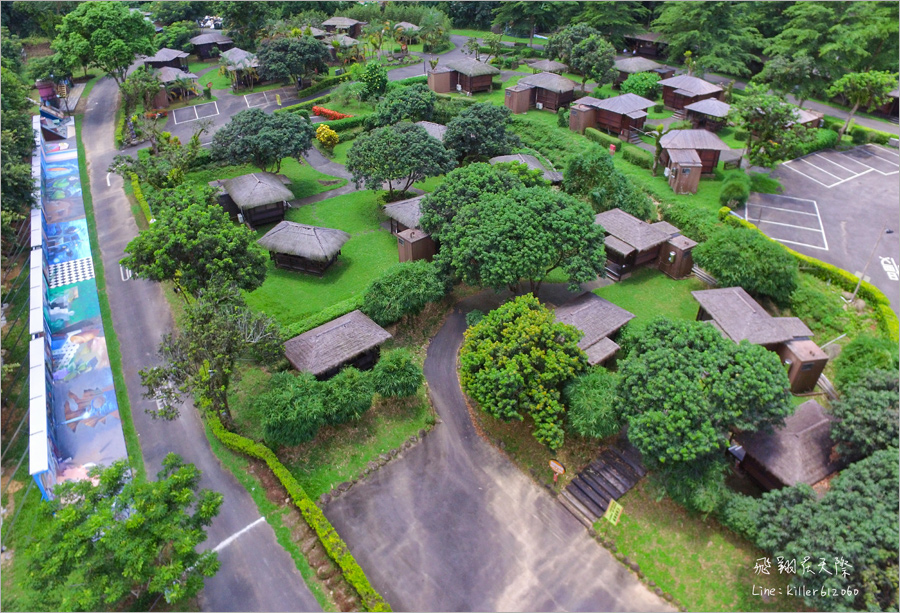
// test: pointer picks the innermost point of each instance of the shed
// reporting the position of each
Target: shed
(472, 76)
(435, 130)
(549, 91)
(707, 145)
(304, 248)
(548, 66)
(708, 114)
(636, 64)
(630, 242)
(680, 91)
(351, 27)
(412, 242)
(647, 44)
(261, 197)
(683, 171)
(172, 58)
(810, 119)
(620, 115)
(739, 317)
(404, 214)
(350, 340)
(800, 451)
(532, 162)
(519, 98)
(205, 43)
(598, 319)
(442, 79)
(676, 258)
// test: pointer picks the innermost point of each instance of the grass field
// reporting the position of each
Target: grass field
(219, 81)
(469, 33)
(648, 293)
(290, 296)
(704, 565)
(727, 135)
(305, 180)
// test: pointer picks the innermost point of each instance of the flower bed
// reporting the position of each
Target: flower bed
(328, 113)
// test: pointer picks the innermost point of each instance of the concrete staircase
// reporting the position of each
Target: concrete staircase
(615, 471)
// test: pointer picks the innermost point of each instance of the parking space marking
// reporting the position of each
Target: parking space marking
(830, 161)
(784, 214)
(805, 160)
(175, 115)
(197, 115)
(775, 208)
(886, 150)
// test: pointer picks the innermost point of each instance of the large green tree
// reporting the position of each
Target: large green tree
(178, 35)
(559, 45)
(291, 58)
(797, 76)
(169, 12)
(614, 20)
(264, 140)
(122, 542)
(535, 15)
(746, 258)
(106, 35)
(720, 34)
(413, 103)
(403, 152)
(774, 131)
(684, 388)
(403, 289)
(594, 177)
(246, 20)
(868, 414)
(481, 132)
(502, 239)
(514, 362)
(594, 58)
(866, 89)
(195, 247)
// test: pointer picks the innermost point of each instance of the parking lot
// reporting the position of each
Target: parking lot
(288, 96)
(790, 220)
(832, 168)
(193, 113)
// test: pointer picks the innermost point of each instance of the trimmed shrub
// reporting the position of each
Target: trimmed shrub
(735, 190)
(642, 84)
(304, 106)
(591, 403)
(347, 396)
(741, 135)
(861, 355)
(823, 139)
(638, 157)
(659, 107)
(403, 289)
(473, 317)
(323, 316)
(321, 111)
(292, 408)
(740, 513)
(858, 136)
(396, 375)
(139, 196)
(604, 139)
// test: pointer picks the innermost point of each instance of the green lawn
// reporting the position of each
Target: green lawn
(648, 293)
(305, 180)
(482, 33)
(291, 296)
(219, 81)
(704, 565)
(727, 135)
(664, 114)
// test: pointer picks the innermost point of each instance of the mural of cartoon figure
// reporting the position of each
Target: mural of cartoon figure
(78, 352)
(91, 408)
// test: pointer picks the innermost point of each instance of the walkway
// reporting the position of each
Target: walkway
(455, 526)
(257, 574)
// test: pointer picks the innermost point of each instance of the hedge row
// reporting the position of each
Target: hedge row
(323, 316)
(886, 317)
(330, 539)
(604, 139)
(348, 123)
(638, 157)
(824, 139)
(304, 106)
(412, 80)
(139, 196)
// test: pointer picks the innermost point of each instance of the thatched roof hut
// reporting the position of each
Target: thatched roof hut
(619, 114)
(471, 67)
(256, 189)
(549, 81)
(352, 339)
(636, 64)
(532, 162)
(167, 74)
(548, 66)
(711, 107)
(436, 130)
(310, 242)
(238, 59)
(167, 57)
(210, 38)
(598, 319)
(340, 22)
(406, 212)
(682, 90)
(639, 235)
(407, 26)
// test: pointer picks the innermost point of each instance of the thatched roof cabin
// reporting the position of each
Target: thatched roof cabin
(707, 145)
(548, 66)
(544, 90)
(260, 197)
(471, 67)
(638, 235)
(167, 74)
(739, 317)
(619, 114)
(204, 44)
(350, 340)
(305, 248)
(167, 57)
(238, 59)
(681, 90)
(709, 114)
(598, 319)
(404, 214)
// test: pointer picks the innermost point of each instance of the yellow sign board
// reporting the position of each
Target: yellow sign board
(278, 99)
(614, 512)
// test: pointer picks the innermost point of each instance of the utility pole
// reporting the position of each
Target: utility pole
(869, 261)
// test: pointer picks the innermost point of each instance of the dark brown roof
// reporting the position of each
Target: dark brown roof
(631, 230)
(711, 107)
(635, 64)
(740, 317)
(693, 139)
(212, 37)
(691, 85)
(530, 161)
(597, 318)
(413, 235)
(548, 66)
(798, 452)
(549, 81)
(624, 104)
(408, 212)
(166, 55)
(310, 242)
(256, 189)
(334, 343)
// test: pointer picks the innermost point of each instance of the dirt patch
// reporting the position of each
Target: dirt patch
(275, 492)
(40, 50)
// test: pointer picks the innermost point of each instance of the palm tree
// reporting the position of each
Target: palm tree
(431, 29)
(181, 86)
(374, 33)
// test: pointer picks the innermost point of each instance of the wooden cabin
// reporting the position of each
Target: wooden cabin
(637, 64)
(631, 243)
(683, 169)
(241, 66)
(303, 248)
(544, 90)
(345, 25)
(599, 320)
(810, 119)
(205, 43)
(552, 176)
(621, 115)
(173, 58)
(647, 44)
(680, 91)
(465, 75)
(258, 198)
(800, 451)
(548, 66)
(412, 242)
(740, 317)
(708, 114)
(707, 145)
(350, 340)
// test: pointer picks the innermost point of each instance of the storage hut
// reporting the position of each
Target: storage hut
(442, 79)
(350, 340)
(708, 114)
(348, 26)
(707, 145)
(599, 319)
(622, 115)
(680, 91)
(548, 66)
(172, 58)
(676, 258)
(412, 242)
(532, 162)
(472, 76)
(205, 43)
(435, 130)
(800, 451)
(296, 246)
(810, 119)
(168, 77)
(259, 197)
(739, 317)
(683, 169)
(544, 90)
(635, 64)
(647, 44)
(630, 242)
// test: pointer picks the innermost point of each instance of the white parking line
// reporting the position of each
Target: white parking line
(788, 165)
(235, 536)
(821, 227)
(783, 240)
(817, 168)
(886, 150)
(759, 221)
(775, 208)
(822, 157)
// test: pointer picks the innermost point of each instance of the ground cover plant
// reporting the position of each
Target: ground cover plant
(648, 293)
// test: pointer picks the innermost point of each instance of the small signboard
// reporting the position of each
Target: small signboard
(613, 512)
(278, 99)
(558, 469)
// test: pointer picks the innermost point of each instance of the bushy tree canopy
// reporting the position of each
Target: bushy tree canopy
(103, 546)
(403, 289)
(591, 403)
(396, 375)
(481, 132)
(413, 103)
(868, 414)
(255, 137)
(614, 19)
(593, 176)
(178, 35)
(775, 133)
(861, 355)
(684, 388)
(292, 408)
(746, 258)
(642, 84)
(863, 89)
(559, 45)
(347, 395)
(291, 58)
(594, 57)
(515, 361)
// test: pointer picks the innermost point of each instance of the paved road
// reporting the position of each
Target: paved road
(256, 573)
(454, 526)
